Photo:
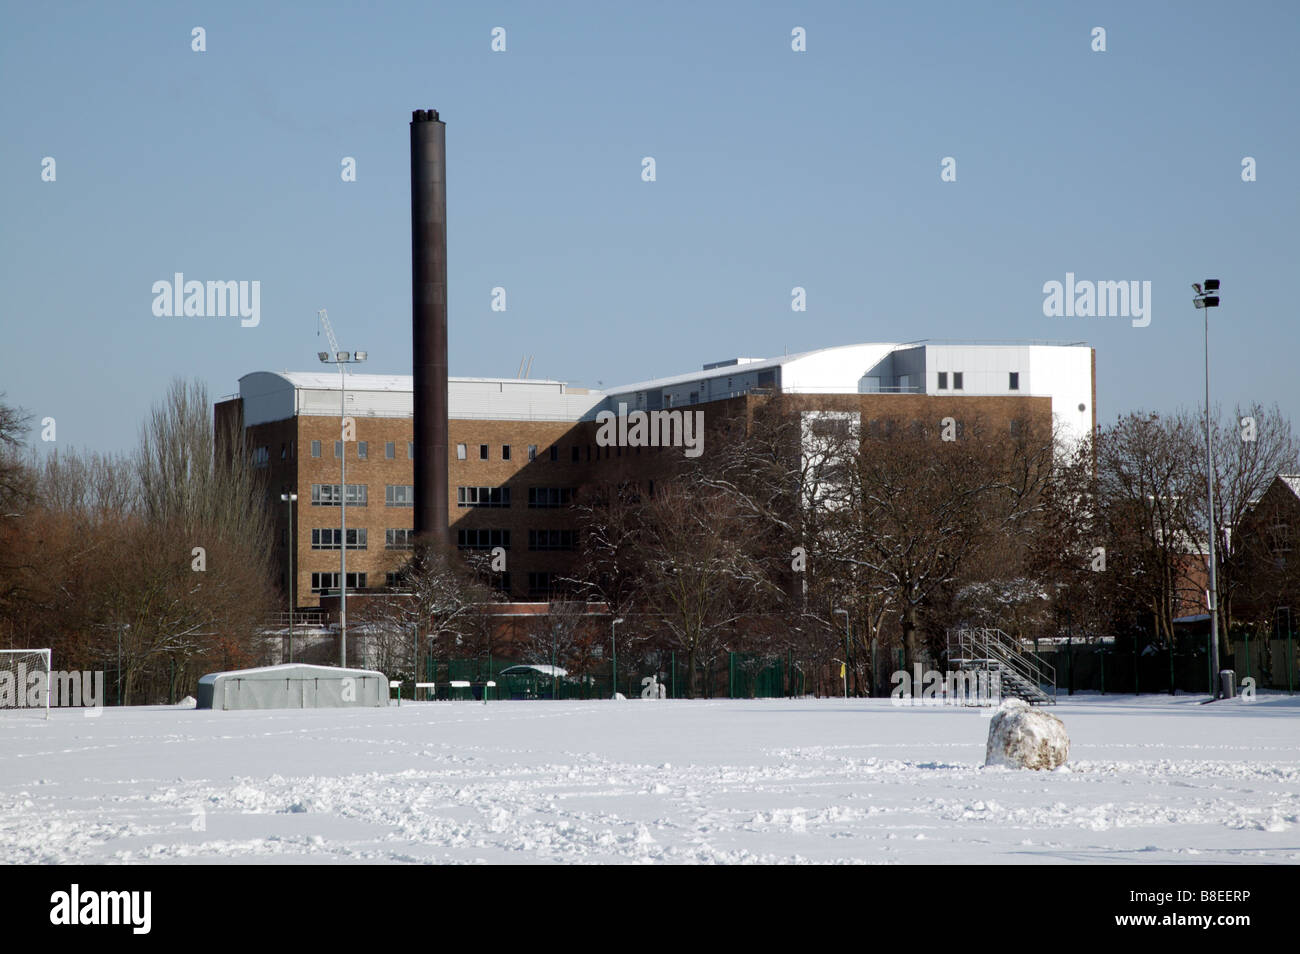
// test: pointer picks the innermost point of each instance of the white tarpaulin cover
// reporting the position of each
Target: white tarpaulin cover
(293, 686)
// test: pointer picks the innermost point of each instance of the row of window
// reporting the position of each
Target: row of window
(486, 539)
(328, 538)
(540, 585)
(363, 450)
(575, 452)
(403, 495)
(329, 582)
(1013, 380)
(329, 495)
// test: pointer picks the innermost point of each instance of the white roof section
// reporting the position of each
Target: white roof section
(280, 395)
(1292, 481)
(288, 670)
(1058, 370)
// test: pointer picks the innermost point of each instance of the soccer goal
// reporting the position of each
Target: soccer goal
(25, 681)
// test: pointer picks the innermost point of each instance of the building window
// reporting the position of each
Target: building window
(1280, 537)
(410, 450)
(363, 450)
(315, 448)
(943, 380)
(541, 585)
(329, 582)
(261, 456)
(329, 538)
(327, 495)
(461, 451)
(482, 539)
(482, 452)
(1014, 383)
(505, 451)
(532, 452)
(575, 453)
(284, 451)
(956, 381)
(399, 495)
(390, 450)
(555, 452)
(398, 539)
(394, 580)
(549, 497)
(552, 539)
(483, 496)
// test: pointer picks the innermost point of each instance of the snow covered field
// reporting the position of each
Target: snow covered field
(1152, 779)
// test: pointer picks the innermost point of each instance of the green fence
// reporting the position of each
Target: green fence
(732, 675)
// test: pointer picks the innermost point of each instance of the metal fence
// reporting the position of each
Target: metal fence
(732, 676)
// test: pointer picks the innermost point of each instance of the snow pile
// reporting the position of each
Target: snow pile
(1024, 737)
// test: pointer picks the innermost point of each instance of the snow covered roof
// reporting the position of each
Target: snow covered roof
(287, 670)
(1292, 481)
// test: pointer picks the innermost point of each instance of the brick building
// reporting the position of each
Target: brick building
(520, 449)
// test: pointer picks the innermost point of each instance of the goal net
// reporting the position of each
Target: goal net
(25, 682)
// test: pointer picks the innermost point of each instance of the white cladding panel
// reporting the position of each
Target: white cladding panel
(270, 396)
(1066, 375)
(833, 370)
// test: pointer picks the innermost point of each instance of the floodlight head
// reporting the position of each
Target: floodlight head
(359, 355)
(1197, 287)
(1198, 302)
(1211, 284)
(1211, 301)
(342, 356)
(323, 355)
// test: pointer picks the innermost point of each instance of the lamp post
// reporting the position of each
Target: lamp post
(613, 645)
(123, 626)
(342, 358)
(1205, 300)
(291, 499)
(846, 652)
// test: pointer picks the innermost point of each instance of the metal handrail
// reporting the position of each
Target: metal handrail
(993, 645)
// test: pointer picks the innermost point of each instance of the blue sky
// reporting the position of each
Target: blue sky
(774, 169)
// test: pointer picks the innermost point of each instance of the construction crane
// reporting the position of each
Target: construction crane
(323, 318)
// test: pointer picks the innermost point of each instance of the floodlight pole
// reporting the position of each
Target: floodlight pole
(342, 358)
(291, 499)
(343, 517)
(1205, 301)
(613, 645)
(846, 652)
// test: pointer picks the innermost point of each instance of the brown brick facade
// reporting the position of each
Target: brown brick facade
(290, 466)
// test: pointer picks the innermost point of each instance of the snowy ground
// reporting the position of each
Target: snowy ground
(1150, 780)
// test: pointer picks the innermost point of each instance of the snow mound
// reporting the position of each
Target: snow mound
(1024, 737)
(189, 702)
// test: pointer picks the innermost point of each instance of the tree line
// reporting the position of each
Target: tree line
(152, 565)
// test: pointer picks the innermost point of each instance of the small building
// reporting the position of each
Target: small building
(293, 686)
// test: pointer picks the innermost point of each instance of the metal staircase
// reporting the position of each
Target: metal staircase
(1022, 674)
